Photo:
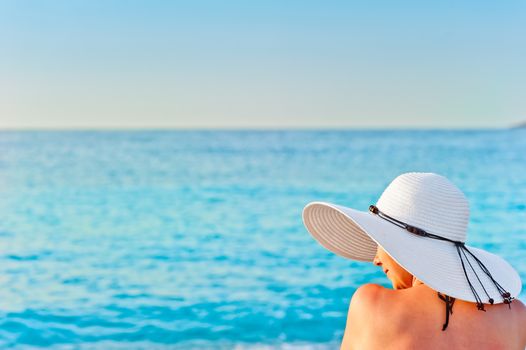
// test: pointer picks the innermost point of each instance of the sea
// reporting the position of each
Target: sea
(193, 239)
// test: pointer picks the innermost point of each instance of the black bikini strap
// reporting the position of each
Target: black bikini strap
(449, 307)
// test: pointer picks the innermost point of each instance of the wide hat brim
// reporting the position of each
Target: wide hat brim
(355, 234)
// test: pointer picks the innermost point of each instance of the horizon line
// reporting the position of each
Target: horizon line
(256, 128)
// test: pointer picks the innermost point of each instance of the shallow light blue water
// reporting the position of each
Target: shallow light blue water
(194, 239)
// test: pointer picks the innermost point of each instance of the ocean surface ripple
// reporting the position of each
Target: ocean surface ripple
(194, 239)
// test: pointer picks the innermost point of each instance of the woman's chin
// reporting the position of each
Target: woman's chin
(399, 285)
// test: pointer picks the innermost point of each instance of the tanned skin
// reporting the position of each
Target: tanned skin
(410, 316)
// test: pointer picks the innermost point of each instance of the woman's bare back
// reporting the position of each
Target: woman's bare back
(412, 318)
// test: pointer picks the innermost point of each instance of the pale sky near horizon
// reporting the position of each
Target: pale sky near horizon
(268, 64)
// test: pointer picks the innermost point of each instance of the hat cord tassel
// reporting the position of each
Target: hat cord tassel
(506, 296)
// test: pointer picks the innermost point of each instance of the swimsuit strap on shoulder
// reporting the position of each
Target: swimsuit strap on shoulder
(449, 307)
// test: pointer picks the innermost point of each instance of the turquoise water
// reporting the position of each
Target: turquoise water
(194, 239)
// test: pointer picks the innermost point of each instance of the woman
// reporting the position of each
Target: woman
(416, 233)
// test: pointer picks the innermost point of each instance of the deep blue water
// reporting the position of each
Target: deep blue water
(194, 239)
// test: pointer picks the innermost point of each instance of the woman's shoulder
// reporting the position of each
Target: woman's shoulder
(521, 316)
(373, 295)
(375, 317)
(370, 304)
(363, 316)
(368, 297)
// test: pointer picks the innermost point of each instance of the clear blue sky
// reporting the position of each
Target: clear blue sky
(237, 64)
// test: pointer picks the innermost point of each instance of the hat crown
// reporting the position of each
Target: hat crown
(428, 201)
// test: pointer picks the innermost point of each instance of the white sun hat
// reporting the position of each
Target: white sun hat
(421, 221)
